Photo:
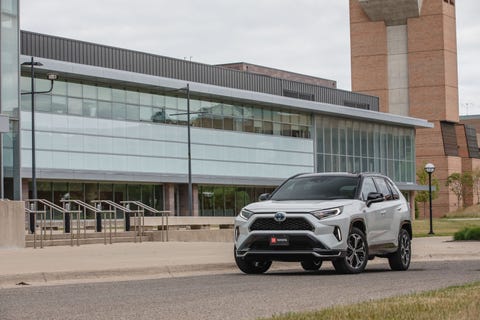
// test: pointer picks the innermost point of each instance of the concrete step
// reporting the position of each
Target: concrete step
(56, 235)
(82, 241)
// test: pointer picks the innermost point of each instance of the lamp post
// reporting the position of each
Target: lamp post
(188, 113)
(52, 77)
(430, 168)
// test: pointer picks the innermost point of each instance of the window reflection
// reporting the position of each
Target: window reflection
(90, 100)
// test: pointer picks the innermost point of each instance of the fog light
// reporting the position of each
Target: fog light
(337, 233)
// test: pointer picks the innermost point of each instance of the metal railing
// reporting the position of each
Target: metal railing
(72, 217)
(138, 216)
(85, 208)
(143, 207)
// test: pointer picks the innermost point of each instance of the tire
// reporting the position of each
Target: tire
(311, 265)
(357, 254)
(400, 260)
(252, 267)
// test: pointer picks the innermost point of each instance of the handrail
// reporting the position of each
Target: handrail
(152, 210)
(89, 207)
(43, 216)
(126, 211)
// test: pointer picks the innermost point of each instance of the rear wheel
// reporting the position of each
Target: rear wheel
(311, 265)
(400, 260)
(357, 254)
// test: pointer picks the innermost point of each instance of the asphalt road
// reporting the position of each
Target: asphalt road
(228, 296)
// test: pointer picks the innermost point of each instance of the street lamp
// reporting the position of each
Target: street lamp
(52, 77)
(430, 168)
(188, 113)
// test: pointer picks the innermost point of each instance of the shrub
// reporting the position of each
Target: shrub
(468, 233)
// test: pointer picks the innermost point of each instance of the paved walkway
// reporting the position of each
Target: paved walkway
(145, 260)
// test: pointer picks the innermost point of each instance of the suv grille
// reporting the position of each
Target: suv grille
(288, 224)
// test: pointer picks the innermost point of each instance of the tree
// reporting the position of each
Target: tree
(458, 183)
(476, 183)
(422, 196)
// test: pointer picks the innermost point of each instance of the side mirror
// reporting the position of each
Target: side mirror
(374, 197)
(263, 196)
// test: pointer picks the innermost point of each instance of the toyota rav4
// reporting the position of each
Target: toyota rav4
(340, 217)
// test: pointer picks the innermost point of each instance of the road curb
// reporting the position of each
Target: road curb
(165, 271)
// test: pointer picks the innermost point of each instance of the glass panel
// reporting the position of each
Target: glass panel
(118, 95)
(106, 191)
(104, 93)
(133, 97)
(105, 110)
(145, 99)
(133, 112)
(286, 130)
(227, 123)
(43, 102)
(89, 108)
(267, 127)
(146, 113)
(59, 104)
(158, 100)
(158, 115)
(89, 92)
(171, 102)
(75, 106)
(60, 88)
(119, 111)
(74, 89)
(134, 192)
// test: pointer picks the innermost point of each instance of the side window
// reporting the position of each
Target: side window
(367, 187)
(394, 190)
(383, 188)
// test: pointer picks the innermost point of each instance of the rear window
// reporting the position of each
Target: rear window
(317, 188)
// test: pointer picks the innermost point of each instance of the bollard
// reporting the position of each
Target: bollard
(98, 219)
(127, 218)
(32, 217)
(67, 218)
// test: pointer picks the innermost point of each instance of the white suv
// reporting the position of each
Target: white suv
(345, 218)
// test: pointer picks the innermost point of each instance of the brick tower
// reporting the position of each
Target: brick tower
(405, 52)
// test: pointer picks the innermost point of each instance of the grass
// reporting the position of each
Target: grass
(442, 227)
(459, 303)
(469, 212)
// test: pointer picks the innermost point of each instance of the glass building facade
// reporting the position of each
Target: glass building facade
(357, 146)
(9, 98)
(96, 101)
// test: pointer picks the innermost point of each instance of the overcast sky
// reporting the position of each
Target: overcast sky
(304, 36)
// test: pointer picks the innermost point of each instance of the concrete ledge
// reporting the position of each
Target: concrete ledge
(203, 235)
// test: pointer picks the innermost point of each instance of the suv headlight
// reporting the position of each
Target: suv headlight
(326, 213)
(246, 214)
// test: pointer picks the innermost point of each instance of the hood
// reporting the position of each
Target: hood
(297, 205)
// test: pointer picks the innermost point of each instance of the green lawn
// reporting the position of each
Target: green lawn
(443, 226)
(459, 303)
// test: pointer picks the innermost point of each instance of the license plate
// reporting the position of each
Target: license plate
(279, 241)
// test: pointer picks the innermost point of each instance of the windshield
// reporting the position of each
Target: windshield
(317, 188)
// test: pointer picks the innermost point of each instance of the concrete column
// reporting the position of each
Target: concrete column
(196, 211)
(170, 198)
(12, 224)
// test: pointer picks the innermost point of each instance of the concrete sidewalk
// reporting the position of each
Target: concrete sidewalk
(124, 261)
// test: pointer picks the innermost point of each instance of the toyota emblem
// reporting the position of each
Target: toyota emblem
(280, 216)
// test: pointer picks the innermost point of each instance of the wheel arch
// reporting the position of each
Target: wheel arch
(359, 224)
(407, 226)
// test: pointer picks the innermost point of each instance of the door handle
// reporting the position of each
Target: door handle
(383, 212)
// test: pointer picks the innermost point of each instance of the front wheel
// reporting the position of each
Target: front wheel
(251, 266)
(400, 259)
(357, 254)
